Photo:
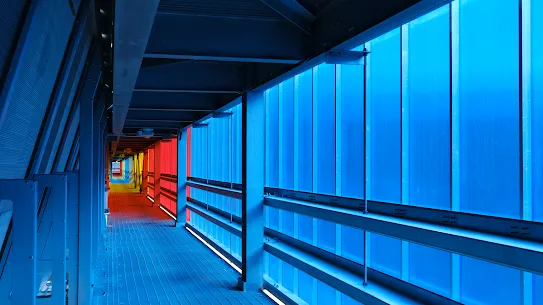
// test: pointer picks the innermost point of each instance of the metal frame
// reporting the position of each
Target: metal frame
(217, 219)
(216, 189)
(508, 251)
(217, 247)
(24, 196)
(181, 179)
(230, 216)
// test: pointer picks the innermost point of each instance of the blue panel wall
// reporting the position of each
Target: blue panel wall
(489, 107)
(536, 39)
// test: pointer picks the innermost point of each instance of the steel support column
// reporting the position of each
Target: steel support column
(58, 199)
(72, 236)
(253, 141)
(86, 178)
(24, 196)
(181, 178)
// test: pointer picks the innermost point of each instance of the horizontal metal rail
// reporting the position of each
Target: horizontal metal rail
(280, 292)
(509, 251)
(216, 189)
(211, 208)
(231, 185)
(341, 279)
(215, 245)
(490, 224)
(217, 219)
(394, 284)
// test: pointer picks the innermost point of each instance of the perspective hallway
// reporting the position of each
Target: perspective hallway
(149, 261)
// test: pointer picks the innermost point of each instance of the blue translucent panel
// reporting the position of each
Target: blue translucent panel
(346, 300)
(384, 87)
(326, 295)
(350, 122)
(305, 287)
(537, 107)
(352, 244)
(272, 137)
(326, 235)
(273, 218)
(430, 268)
(286, 134)
(324, 134)
(305, 229)
(274, 267)
(428, 108)
(288, 276)
(385, 254)
(489, 108)
(537, 289)
(303, 131)
(486, 283)
(287, 223)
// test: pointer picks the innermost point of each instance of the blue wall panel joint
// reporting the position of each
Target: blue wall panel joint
(24, 196)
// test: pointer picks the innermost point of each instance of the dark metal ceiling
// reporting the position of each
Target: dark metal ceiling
(202, 54)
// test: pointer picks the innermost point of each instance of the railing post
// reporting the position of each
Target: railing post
(181, 178)
(24, 196)
(253, 141)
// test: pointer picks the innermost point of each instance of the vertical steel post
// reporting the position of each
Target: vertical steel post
(86, 178)
(73, 235)
(58, 202)
(24, 196)
(99, 106)
(181, 178)
(253, 144)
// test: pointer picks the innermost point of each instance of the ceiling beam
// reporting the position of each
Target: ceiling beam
(293, 12)
(158, 120)
(169, 109)
(187, 91)
(133, 24)
(222, 58)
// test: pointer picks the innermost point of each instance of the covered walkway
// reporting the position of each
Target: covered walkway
(149, 261)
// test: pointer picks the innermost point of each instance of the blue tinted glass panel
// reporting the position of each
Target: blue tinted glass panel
(303, 131)
(272, 137)
(489, 108)
(326, 295)
(386, 254)
(287, 223)
(324, 129)
(273, 269)
(384, 84)
(288, 276)
(305, 229)
(536, 29)
(487, 283)
(286, 134)
(273, 218)
(350, 122)
(538, 289)
(430, 268)
(428, 108)
(352, 244)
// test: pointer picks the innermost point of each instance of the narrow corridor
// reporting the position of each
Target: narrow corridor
(149, 261)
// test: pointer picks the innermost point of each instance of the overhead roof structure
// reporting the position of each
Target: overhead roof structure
(186, 58)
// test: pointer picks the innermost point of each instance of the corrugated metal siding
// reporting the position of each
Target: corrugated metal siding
(26, 99)
(11, 17)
